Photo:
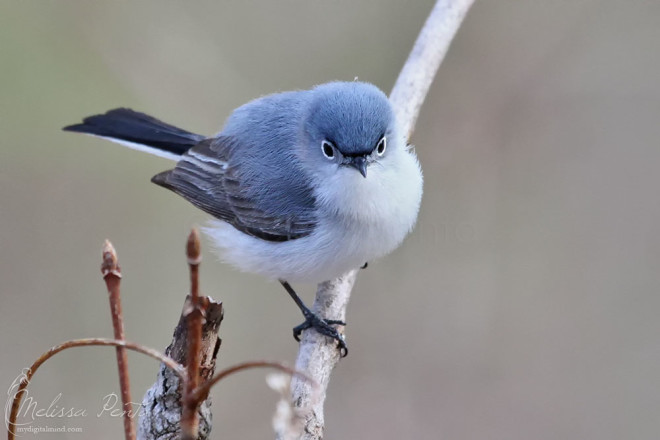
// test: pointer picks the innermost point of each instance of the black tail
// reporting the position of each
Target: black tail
(126, 125)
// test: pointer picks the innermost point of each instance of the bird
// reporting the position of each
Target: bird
(302, 185)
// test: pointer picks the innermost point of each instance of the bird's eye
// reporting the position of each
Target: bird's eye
(328, 150)
(382, 145)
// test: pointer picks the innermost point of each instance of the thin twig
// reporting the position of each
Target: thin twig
(189, 418)
(317, 355)
(112, 277)
(203, 390)
(18, 396)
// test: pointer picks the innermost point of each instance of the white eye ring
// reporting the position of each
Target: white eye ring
(381, 147)
(328, 149)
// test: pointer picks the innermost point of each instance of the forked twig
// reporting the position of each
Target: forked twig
(195, 345)
(180, 406)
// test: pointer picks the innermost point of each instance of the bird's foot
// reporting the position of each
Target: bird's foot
(324, 327)
(312, 320)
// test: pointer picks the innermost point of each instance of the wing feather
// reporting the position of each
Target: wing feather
(207, 177)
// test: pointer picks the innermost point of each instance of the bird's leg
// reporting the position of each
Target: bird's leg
(312, 320)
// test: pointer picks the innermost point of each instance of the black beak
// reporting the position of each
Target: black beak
(360, 164)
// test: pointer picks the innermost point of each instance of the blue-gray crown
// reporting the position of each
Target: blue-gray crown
(354, 116)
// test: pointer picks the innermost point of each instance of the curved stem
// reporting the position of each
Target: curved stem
(25, 380)
(203, 390)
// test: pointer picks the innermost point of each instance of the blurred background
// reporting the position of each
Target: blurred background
(524, 304)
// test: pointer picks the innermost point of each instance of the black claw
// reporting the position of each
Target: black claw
(365, 265)
(343, 349)
(297, 330)
(323, 326)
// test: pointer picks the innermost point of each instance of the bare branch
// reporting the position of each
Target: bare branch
(317, 355)
(112, 277)
(432, 44)
(195, 317)
(164, 399)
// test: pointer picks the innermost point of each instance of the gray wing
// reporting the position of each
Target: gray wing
(211, 179)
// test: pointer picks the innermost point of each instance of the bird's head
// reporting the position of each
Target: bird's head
(348, 126)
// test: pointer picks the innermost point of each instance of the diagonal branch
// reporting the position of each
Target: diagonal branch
(432, 44)
(317, 355)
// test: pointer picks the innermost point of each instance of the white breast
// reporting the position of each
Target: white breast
(360, 219)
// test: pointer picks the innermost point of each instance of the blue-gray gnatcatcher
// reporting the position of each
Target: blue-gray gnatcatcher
(305, 185)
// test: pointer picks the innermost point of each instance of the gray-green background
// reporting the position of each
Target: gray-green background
(524, 305)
